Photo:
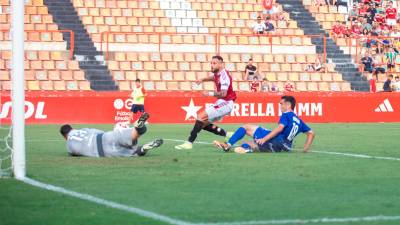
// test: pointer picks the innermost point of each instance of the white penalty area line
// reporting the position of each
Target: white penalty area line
(311, 221)
(358, 155)
(319, 152)
(170, 220)
(100, 201)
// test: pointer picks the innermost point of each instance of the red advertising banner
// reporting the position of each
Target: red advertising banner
(182, 107)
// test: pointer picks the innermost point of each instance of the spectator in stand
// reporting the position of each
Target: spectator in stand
(255, 85)
(259, 26)
(369, 18)
(282, 17)
(269, 27)
(380, 18)
(310, 68)
(371, 11)
(387, 86)
(376, 31)
(289, 86)
(275, 12)
(367, 61)
(268, 10)
(396, 84)
(362, 10)
(356, 30)
(338, 29)
(391, 15)
(366, 40)
(385, 30)
(250, 70)
(366, 26)
(395, 34)
(274, 88)
(318, 3)
(391, 56)
(353, 13)
(372, 83)
(346, 31)
(319, 65)
(264, 85)
(378, 65)
(377, 3)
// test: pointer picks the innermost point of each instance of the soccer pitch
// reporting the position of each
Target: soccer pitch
(205, 185)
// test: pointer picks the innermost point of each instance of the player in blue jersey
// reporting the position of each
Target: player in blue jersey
(277, 140)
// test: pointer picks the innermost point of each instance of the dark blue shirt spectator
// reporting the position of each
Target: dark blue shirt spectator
(367, 61)
(387, 85)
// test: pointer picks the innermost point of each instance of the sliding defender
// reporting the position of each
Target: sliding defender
(277, 140)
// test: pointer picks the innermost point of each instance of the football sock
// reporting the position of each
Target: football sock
(196, 129)
(215, 130)
(246, 146)
(141, 130)
(239, 134)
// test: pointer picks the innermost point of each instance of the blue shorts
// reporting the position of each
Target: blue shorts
(276, 144)
(137, 108)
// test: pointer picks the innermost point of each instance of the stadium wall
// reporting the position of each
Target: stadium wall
(181, 107)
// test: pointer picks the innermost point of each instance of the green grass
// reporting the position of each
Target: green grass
(206, 185)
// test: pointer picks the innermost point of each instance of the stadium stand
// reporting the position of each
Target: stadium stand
(130, 25)
(351, 38)
(180, 70)
(342, 60)
(46, 70)
(48, 64)
(119, 41)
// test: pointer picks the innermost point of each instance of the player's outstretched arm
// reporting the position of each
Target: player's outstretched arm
(310, 138)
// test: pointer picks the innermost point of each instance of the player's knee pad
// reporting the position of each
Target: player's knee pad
(141, 130)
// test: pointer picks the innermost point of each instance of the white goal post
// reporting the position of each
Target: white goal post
(17, 90)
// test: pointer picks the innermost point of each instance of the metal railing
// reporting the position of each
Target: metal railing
(105, 39)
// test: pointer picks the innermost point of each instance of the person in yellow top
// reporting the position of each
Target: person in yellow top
(137, 95)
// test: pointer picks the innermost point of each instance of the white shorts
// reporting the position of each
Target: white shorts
(391, 22)
(268, 11)
(219, 109)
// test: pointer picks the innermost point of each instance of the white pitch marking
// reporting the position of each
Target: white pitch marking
(358, 155)
(100, 201)
(310, 221)
(320, 152)
(169, 220)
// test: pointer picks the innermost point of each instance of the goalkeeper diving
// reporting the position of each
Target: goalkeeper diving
(121, 142)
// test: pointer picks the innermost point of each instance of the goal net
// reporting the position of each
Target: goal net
(5, 140)
(12, 105)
